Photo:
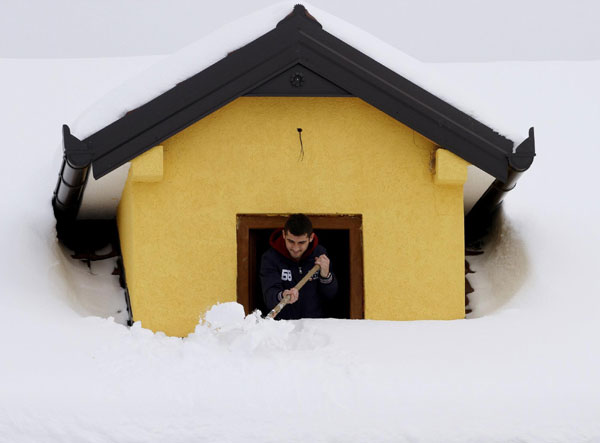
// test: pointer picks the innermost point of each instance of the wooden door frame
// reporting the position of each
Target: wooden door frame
(246, 257)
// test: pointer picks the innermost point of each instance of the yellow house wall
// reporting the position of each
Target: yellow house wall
(178, 234)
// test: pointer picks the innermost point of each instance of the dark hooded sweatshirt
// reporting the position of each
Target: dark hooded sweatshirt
(279, 271)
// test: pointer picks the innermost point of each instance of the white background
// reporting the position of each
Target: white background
(430, 30)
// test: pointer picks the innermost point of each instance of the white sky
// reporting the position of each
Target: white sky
(436, 30)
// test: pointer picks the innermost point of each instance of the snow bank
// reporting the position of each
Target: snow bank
(525, 368)
(229, 325)
(500, 272)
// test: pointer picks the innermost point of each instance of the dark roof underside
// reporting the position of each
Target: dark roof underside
(298, 58)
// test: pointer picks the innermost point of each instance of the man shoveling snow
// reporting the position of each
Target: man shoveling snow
(293, 253)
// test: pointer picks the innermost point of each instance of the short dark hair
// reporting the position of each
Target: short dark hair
(298, 224)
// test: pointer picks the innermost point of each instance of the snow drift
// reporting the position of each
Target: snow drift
(523, 368)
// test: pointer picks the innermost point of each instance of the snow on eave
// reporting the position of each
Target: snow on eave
(196, 57)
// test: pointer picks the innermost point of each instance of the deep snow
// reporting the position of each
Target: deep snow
(523, 368)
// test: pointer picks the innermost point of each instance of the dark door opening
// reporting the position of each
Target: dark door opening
(341, 236)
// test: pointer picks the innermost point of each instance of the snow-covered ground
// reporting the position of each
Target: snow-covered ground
(523, 368)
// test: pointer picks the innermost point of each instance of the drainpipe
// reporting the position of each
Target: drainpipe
(481, 216)
(77, 159)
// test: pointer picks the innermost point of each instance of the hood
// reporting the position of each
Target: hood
(278, 243)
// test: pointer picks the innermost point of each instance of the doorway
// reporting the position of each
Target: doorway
(340, 234)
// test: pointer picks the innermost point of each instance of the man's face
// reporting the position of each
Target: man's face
(297, 244)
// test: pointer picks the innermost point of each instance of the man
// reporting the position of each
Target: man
(294, 251)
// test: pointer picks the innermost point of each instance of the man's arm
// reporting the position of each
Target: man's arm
(328, 285)
(270, 279)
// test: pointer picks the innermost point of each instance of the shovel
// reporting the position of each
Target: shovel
(285, 300)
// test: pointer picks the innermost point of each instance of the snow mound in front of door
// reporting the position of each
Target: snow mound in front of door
(226, 325)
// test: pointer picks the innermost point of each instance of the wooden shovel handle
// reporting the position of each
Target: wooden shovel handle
(285, 300)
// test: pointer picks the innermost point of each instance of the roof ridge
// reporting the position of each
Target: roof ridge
(298, 13)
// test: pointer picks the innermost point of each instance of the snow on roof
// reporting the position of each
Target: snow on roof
(196, 57)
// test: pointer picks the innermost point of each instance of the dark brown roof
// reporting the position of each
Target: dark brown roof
(297, 58)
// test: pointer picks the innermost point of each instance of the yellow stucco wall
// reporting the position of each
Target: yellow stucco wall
(178, 235)
(148, 167)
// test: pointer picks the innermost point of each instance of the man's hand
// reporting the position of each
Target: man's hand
(323, 262)
(293, 293)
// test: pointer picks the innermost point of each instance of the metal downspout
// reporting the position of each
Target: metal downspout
(77, 159)
(481, 216)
